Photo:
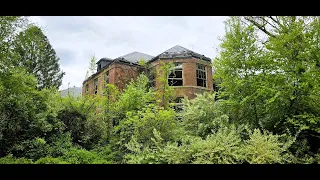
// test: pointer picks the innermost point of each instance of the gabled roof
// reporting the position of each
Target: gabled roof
(134, 57)
(179, 52)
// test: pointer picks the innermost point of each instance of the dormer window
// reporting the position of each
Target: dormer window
(99, 67)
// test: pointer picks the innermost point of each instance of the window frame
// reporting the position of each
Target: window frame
(201, 72)
(95, 85)
(175, 68)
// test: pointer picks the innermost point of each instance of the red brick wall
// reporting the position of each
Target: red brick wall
(189, 87)
(83, 89)
(123, 74)
(119, 75)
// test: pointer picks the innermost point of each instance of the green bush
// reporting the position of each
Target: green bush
(222, 147)
(9, 159)
(202, 116)
(50, 160)
(106, 153)
(59, 144)
(265, 148)
(82, 156)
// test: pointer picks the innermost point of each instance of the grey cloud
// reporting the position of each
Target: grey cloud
(67, 57)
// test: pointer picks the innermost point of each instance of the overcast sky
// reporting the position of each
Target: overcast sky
(77, 38)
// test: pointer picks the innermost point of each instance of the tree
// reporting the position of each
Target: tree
(8, 30)
(165, 93)
(238, 66)
(92, 65)
(272, 80)
(38, 57)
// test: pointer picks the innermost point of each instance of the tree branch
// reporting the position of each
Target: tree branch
(259, 26)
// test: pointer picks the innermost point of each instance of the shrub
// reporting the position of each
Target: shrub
(9, 159)
(50, 160)
(82, 156)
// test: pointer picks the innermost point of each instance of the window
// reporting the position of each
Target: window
(106, 77)
(175, 75)
(87, 89)
(178, 107)
(99, 67)
(95, 86)
(201, 75)
(152, 76)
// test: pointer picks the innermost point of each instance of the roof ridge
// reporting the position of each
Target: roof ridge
(135, 52)
(180, 51)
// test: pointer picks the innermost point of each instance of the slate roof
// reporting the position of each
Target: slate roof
(134, 57)
(104, 59)
(179, 52)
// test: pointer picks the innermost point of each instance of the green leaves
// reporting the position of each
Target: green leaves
(269, 80)
(35, 53)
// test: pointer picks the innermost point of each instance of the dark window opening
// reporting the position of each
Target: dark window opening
(175, 82)
(201, 75)
(99, 67)
(106, 77)
(152, 77)
(178, 100)
(96, 86)
(175, 75)
(178, 104)
(87, 89)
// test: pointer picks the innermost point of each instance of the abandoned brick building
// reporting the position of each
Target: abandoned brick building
(192, 72)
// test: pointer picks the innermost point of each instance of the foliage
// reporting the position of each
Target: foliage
(9, 27)
(81, 119)
(82, 156)
(24, 110)
(106, 153)
(92, 65)
(50, 160)
(9, 159)
(271, 81)
(223, 147)
(37, 56)
(141, 123)
(265, 148)
(165, 93)
(202, 115)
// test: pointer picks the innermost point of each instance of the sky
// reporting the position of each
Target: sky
(77, 38)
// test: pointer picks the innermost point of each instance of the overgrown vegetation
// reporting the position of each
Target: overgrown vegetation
(267, 109)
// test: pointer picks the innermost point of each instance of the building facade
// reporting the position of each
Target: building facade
(191, 74)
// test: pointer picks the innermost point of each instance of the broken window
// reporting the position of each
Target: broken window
(201, 75)
(87, 89)
(106, 77)
(175, 75)
(95, 86)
